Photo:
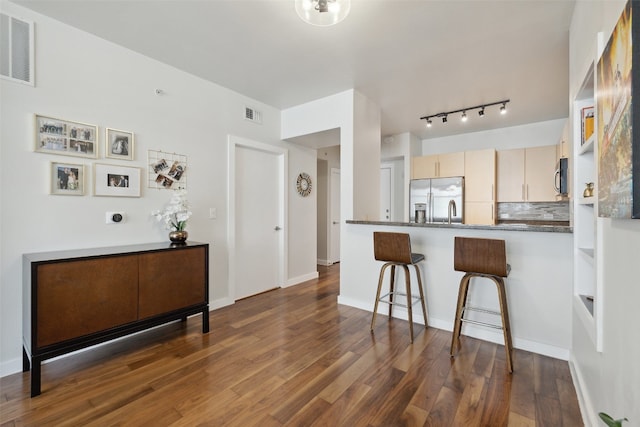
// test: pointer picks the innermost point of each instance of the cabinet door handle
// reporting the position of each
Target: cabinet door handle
(522, 191)
(492, 192)
(277, 228)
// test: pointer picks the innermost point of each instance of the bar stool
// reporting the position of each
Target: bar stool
(482, 258)
(395, 250)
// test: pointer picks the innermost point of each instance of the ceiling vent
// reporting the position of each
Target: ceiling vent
(252, 115)
(16, 50)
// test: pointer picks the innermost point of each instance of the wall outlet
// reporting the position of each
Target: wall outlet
(115, 217)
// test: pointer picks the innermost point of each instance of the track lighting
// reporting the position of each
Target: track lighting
(464, 117)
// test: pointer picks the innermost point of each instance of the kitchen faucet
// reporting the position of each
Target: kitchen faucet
(452, 207)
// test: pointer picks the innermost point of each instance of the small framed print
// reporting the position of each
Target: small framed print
(58, 136)
(119, 144)
(116, 180)
(67, 179)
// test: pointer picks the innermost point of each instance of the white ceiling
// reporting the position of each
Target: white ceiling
(410, 57)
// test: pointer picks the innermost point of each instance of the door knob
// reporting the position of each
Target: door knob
(277, 228)
(336, 222)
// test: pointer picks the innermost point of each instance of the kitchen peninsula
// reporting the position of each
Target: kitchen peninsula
(539, 287)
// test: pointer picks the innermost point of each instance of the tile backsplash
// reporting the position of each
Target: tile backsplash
(534, 211)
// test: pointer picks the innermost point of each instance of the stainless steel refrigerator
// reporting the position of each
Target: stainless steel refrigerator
(439, 197)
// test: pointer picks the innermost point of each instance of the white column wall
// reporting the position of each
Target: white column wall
(607, 381)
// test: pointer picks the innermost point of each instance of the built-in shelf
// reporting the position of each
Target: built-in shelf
(587, 201)
(587, 300)
(587, 251)
(588, 145)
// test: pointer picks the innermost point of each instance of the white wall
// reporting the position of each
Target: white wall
(608, 381)
(80, 77)
(529, 135)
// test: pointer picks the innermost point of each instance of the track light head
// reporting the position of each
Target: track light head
(481, 112)
(444, 119)
(429, 123)
(464, 116)
(503, 109)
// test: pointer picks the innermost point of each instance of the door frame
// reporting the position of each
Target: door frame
(392, 184)
(283, 160)
(331, 258)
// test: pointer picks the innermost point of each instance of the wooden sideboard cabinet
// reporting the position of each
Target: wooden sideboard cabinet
(79, 298)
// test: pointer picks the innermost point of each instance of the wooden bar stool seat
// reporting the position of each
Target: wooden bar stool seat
(482, 258)
(394, 249)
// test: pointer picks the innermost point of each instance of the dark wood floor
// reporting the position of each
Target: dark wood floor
(294, 357)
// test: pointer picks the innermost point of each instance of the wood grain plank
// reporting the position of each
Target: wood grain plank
(293, 356)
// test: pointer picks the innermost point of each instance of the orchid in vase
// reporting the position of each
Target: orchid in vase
(176, 213)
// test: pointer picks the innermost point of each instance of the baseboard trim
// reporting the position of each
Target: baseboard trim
(296, 280)
(468, 330)
(10, 367)
(587, 410)
(219, 303)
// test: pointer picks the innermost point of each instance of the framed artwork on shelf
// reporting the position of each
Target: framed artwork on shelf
(116, 180)
(617, 117)
(58, 136)
(66, 179)
(118, 144)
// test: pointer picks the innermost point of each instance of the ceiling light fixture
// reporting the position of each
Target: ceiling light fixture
(464, 117)
(323, 12)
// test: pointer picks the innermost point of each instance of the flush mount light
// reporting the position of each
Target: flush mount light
(464, 117)
(323, 13)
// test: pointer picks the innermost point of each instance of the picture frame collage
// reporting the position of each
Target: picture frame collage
(76, 139)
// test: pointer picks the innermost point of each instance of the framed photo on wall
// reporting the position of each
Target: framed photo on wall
(58, 136)
(118, 144)
(116, 180)
(66, 179)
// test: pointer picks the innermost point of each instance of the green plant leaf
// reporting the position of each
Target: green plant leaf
(608, 420)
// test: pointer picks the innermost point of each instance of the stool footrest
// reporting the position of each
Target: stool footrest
(481, 310)
(414, 299)
(475, 322)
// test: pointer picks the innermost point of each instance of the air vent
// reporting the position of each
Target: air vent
(16, 50)
(252, 115)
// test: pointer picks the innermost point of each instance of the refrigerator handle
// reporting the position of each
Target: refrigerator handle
(430, 207)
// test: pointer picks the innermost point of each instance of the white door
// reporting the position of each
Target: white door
(258, 221)
(386, 172)
(334, 226)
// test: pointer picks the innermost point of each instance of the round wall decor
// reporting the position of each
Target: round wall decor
(303, 184)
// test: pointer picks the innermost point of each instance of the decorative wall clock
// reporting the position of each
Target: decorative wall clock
(303, 184)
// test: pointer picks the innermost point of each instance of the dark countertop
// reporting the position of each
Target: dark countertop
(501, 227)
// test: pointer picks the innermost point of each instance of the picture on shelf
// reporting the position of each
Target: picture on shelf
(67, 179)
(587, 122)
(57, 136)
